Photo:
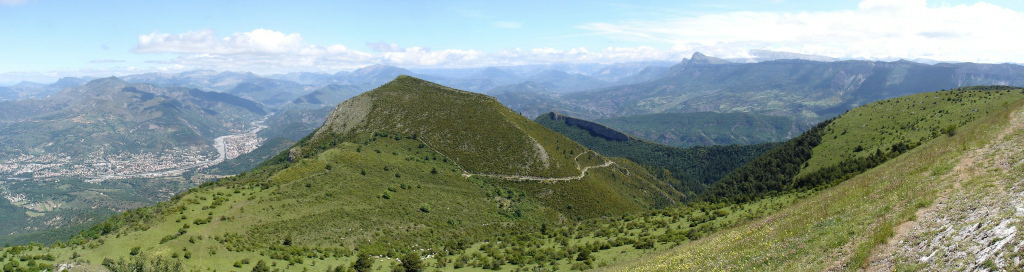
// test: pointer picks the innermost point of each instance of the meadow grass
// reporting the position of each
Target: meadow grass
(839, 227)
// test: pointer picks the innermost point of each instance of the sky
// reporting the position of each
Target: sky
(42, 40)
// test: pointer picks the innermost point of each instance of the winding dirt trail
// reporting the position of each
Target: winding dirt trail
(583, 171)
(938, 228)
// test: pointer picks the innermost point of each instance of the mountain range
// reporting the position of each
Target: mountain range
(808, 91)
(415, 174)
(108, 145)
(113, 116)
(700, 101)
(411, 166)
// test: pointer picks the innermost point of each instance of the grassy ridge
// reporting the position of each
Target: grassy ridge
(911, 120)
(840, 226)
(377, 193)
(383, 193)
(390, 194)
(863, 138)
(470, 128)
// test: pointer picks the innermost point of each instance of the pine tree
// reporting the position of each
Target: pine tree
(261, 266)
(363, 263)
(412, 263)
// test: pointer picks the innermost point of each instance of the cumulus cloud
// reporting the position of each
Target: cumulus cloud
(259, 41)
(263, 50)
(257, 50)
(508, 24)
(876, 29)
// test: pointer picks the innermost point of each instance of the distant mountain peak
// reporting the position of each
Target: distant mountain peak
(492, 69)
(103, 82)
(377, 69)
(767, 55)
(699, 58)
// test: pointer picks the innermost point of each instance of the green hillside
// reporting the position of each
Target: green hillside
(858, 140)
(343, 192)
(385, 193)
(468, 127)
(911, 120)
(690, 170)
(707, 128)
(869, 221)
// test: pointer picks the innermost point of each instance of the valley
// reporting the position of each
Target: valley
(100, 167)
(381, 188)
(514, 136)
(459, 181)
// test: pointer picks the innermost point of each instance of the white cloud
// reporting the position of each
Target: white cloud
(259, 41)
(11, 2)
(508, 24)
(876, 29)
(385, 47)
(268, 51)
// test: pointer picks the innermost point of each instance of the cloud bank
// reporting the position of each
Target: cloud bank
(263, 50)
(876, 29)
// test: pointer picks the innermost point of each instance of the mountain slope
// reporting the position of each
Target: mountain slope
(563, 82)
(465, 126)
(376, 179)
(329, 95)
(8, 94)
(808, 91)
(109, 116)
(858, 140)
(630, 72)
(270, 92)
(707, 128)
(851, 225)
(107, 146)
(691, 169)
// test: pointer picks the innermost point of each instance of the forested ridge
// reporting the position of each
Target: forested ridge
(690, 170)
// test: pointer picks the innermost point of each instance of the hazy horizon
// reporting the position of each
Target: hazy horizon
(122, 37)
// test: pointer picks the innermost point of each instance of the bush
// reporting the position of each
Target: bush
(363, 263)
(645, 243)
(412, 263)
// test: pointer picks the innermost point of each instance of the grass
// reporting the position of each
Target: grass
(472, 129)
(838, 227)
(327, 207)
(387, 194)
(910, 119)
(610, 240)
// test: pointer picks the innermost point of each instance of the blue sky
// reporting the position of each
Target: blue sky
(44, 39)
